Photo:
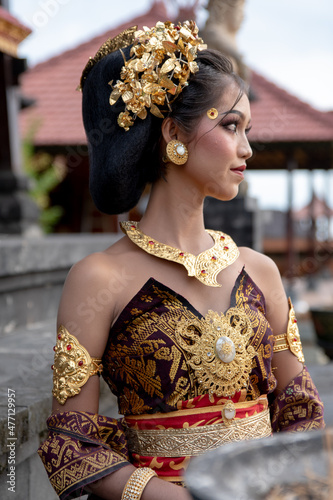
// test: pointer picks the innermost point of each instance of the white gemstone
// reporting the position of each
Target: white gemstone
(225, 349)
(229, 413)
(180, 149)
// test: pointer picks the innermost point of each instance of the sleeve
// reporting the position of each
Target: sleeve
(81, 448)
(298, 407)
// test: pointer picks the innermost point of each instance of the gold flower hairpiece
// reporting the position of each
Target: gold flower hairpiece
(162, 59)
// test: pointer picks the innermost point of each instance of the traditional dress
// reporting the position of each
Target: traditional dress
(175, 403)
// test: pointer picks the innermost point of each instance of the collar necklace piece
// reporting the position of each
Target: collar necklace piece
(204, 267)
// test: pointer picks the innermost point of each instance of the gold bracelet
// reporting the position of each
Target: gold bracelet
(137, 483)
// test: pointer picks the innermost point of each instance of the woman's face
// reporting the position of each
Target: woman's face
(220, 148)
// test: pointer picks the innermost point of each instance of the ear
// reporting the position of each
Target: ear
(170, 130)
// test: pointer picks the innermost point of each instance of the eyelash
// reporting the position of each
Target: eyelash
(236, 123)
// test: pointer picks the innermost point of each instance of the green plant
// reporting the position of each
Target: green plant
(46, 172)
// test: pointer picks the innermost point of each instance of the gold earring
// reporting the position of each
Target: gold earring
(176, 152)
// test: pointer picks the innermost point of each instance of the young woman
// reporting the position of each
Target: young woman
(191, 333)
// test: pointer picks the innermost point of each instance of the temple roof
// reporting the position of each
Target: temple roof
(277, 115)
(316, 208)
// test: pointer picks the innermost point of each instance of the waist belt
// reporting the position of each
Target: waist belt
(192, 441)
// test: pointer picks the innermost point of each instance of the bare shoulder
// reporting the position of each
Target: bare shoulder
(97, 269)
(90, 297)
(91, 267)
(258, 263)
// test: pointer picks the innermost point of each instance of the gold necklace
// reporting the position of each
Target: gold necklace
(205, 267)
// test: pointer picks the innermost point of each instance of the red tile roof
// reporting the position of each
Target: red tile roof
(277, 115)
(53, 85)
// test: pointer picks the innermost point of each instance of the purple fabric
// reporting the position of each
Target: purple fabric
(80, 449)
(298, 407)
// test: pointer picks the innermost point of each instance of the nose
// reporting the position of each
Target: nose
(245, 149)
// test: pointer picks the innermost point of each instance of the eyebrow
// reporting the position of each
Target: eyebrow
(236, 112)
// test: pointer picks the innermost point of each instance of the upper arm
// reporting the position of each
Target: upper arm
(86, 310)
(267, 276)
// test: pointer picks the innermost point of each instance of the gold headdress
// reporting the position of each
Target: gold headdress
(161, 61)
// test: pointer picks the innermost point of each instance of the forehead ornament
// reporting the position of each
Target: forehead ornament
(212, 113)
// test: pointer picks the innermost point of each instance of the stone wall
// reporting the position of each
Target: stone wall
(32, 273)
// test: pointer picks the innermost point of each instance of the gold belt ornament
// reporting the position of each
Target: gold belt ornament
(192, 441)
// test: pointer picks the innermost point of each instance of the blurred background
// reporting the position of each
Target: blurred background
(283, 49)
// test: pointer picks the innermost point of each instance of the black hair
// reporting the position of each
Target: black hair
(122, 163)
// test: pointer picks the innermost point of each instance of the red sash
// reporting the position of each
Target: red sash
(225, 419)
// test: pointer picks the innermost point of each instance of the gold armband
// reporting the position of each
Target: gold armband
(290, 340)
(72, 366)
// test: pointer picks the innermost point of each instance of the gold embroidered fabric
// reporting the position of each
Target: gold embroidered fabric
(298, 407)
(290, 340)
(148, 370)
(250, 299)
(204, 267)
(122, 40)
(219, 350)
(81, 447)
(192, 441)
(72, 366)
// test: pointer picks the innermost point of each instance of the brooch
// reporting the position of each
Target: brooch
(218, 351)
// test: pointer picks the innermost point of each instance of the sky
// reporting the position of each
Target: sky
(288, 41)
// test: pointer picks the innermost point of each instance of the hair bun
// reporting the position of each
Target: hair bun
(121, 162)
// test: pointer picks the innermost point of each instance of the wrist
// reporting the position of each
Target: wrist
(137, 482)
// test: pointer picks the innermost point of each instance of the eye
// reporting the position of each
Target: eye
(247, 130)
(232, 126)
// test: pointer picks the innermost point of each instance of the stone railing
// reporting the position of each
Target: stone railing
(32, 273)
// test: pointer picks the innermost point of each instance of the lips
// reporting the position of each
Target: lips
(239, 170)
